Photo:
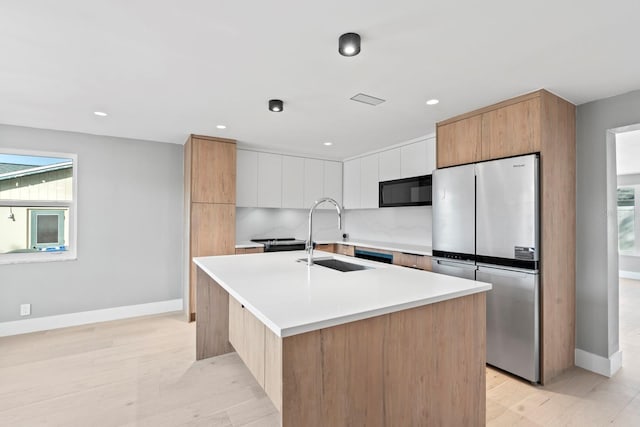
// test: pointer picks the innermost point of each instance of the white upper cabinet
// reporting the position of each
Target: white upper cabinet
(247, 178)
(313, 181)
(351, 179)
(292, 184)
(276, 181)
(269, 180)
(418, 158)
(369, 181)
(389, 165)
(332, 182)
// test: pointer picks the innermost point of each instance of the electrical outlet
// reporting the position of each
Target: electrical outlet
(25, 309)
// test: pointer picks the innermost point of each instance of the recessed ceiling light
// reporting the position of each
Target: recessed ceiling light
(100, 113)
(328, 143)
(221, 127)
(432, 102)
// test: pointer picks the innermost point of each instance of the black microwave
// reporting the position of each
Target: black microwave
(415, 191)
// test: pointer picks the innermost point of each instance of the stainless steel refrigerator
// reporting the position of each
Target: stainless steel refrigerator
(486, 227)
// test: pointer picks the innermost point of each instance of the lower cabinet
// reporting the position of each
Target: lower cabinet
(240, 251)
(327, 247)
(422, 262)
(259, 348)
(348, 250)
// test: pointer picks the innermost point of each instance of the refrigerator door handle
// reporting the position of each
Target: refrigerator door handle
(506, 273)
(456, 264)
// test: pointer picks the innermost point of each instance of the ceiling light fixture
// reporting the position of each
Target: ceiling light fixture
(221, 126)
(349, 44)
(276, 105)
(432, 102)
(100, 113)
(328, 143)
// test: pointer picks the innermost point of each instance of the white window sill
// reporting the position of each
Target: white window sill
(29, 258)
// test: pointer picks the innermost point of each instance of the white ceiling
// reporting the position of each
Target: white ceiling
(165, 69)
(628, 153)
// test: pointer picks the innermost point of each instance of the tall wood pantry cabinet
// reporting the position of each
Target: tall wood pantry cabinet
(210, 202)
(539, 122)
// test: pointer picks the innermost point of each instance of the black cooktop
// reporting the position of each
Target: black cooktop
(281, 244)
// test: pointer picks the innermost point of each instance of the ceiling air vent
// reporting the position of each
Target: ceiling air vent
(367, 99)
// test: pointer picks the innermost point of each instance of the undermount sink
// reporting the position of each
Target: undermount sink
(337, 264)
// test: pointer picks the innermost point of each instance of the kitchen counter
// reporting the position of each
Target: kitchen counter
(290, 298)
(373, 244)
(383, 346)
(389, 246)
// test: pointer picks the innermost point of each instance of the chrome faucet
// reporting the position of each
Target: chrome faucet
(310, 240)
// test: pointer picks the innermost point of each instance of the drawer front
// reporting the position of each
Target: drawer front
(405, 260)
(330, 247)
(345, 250)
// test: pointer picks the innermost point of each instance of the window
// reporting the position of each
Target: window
(37, 206)
(626, 219)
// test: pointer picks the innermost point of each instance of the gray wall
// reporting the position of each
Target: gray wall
(597, 261)
(129, 227)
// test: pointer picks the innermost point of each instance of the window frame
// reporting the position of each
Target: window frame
(47, 256)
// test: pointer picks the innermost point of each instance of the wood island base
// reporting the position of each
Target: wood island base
(420, 367)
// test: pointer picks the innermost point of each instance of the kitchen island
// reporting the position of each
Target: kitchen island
(385, 345)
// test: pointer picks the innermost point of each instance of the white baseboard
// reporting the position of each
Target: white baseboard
(598, 364)
(25, 326)
(629, 275)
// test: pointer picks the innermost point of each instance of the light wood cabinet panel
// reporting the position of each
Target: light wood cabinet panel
(269, 180)
(347, 250)
(351, 179)
(405, 260)
(236, 325)
(247, 336)
(424, 262)
(209, 203)
(459, 142)
(213, 171)
(247, 179)
(212, 233)
(332, 182)
(389, 165)
(273, 368)
(212, 327)
(511, 130)
(313, 181)
(253, 345)
(292, 185)
(241, 251)
(327, 247)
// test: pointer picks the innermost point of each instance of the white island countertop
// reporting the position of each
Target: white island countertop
(291, 298)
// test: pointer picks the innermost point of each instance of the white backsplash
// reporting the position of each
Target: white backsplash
(408, 225)
(252, 223)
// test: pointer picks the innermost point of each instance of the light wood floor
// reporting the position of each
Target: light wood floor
(142, 372)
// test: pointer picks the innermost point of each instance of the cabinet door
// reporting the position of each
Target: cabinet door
(269, 180)
(313, 180)
(511, 130)
(389, 165)
(213, 173)
(292, 184)
(351, 184)
(413, 159)
(369, 182)
(247, 182)
(431, 155)
(459, 142)
(332, 182)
